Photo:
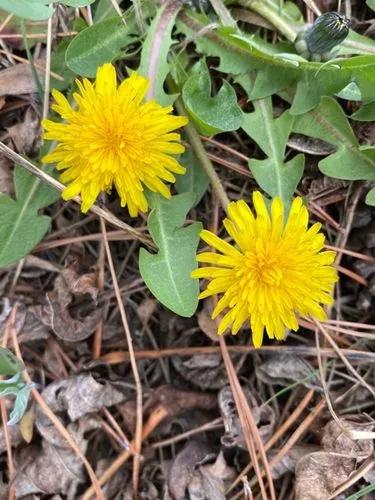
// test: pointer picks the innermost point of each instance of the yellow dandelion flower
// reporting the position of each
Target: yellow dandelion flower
(275, 273)
(114, 138)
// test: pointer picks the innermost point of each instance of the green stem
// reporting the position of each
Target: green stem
(268, 12)
(201, 154)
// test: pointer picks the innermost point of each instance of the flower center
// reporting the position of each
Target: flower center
(263, 269)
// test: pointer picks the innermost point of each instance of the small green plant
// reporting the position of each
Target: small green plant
(11, 367)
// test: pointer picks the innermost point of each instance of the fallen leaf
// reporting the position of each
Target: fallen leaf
(56, 314)
(51, 468)
(15, 437)
(27, 425)
(18, 79)
(182, 468)
(318, 474)
(336, 440)
(209, 481)
(206, 324)
(25, 134)
(264, 417)
(285, 369)
(6, 178)
(146, 309)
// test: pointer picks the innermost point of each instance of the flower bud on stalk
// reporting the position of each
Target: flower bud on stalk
(328, 31)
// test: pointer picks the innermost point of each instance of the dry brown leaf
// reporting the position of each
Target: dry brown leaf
(319, 474)
(206, 324)
(205, 371)
(6, 179)
(146, 309)
(284, 369)
(56, 315)
(290, 459)
(264, 417)
(24, 134)
(80, 284)
(209, 481)
(27, 425)
(183, 466)
(15, 437)
(336, 440)
(18, 79)
(52, 468)
(80, 395)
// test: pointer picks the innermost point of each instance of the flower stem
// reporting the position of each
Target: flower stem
(264, 9)
(201, 154)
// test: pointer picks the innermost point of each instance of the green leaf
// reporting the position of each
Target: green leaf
(195, 179)
(240, 53)
(365, 113)
(21, 228)
(371, 4)
(20, 404)
(76, 3)
(329, 123)
(9, 363)
(16, 386)
(370, 198)
(98, 44)
(154, 58)
(211, 115)
(167, 273)
(35, 10)
(273, 175)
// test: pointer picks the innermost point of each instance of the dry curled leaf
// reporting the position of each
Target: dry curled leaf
(15, 437)
(183, 466)
(80, 284)
(337, 440)
(290, 459)
(51, 468)
(58, 310)
(24, 134)
(205, 371)
(264, 417)
(318, 474)
(285, 369)
(76, 396)
(209, 481)
(206, 324)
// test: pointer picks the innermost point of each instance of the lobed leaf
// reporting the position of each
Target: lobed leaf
(329, 123)
(21, 227)
(211, 115)
(273, 175)
(167, 273)
(279, 66)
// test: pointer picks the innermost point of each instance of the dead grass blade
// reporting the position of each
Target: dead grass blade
(248, 424)
(133, 362)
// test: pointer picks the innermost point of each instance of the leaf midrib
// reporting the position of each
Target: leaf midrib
(164, 247)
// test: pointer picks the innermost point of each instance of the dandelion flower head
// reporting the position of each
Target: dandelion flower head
(114, 138)
(275, 272)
